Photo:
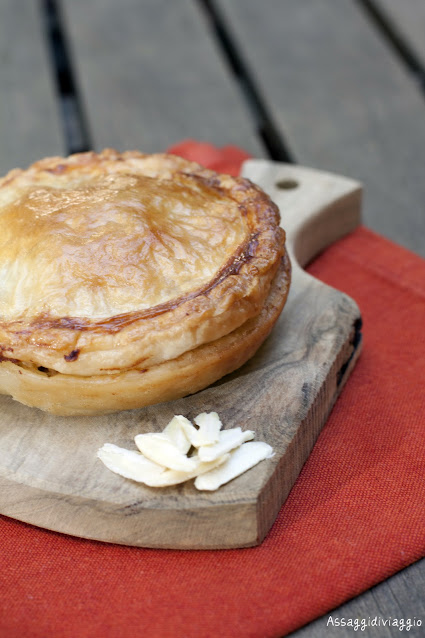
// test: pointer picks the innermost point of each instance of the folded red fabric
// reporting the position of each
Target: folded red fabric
(355, 515)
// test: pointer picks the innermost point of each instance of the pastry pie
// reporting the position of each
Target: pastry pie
(131, 279)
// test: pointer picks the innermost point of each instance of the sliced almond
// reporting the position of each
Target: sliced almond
(190, 431)
(172, 477)
(159, 448)
(241, 460)
(128, 463)
(209, 428)
(176, 432)
(228, 440)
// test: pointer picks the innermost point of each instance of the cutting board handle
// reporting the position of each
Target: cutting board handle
(317, 208)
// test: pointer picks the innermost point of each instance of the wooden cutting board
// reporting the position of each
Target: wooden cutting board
(49, 473)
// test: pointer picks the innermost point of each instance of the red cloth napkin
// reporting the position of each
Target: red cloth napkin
(355, 516)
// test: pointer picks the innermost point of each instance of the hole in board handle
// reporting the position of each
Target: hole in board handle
(287, 184)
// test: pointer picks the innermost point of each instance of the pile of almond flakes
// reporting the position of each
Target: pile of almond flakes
(181, 452)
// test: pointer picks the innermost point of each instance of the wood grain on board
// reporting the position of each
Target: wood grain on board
(344, 100)
(49, 473)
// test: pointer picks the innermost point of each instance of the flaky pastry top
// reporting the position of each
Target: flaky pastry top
(113, 261)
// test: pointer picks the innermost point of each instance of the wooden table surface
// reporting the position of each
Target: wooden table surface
(338, 85)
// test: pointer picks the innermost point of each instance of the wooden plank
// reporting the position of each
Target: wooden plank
(151, 76)
(409, 18)
(29, 117)
(344, 101)
(310, 353)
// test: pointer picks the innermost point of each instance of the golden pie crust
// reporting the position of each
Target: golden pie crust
(129, 279)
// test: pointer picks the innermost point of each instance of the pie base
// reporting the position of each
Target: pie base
(72, 395)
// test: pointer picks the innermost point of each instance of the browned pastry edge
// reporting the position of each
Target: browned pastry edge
(70, 395)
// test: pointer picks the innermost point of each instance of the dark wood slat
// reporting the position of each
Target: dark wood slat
(151, 76)
(29, 118)
(409, 17)
(344, 101)
(277, 147)
(75, 128)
